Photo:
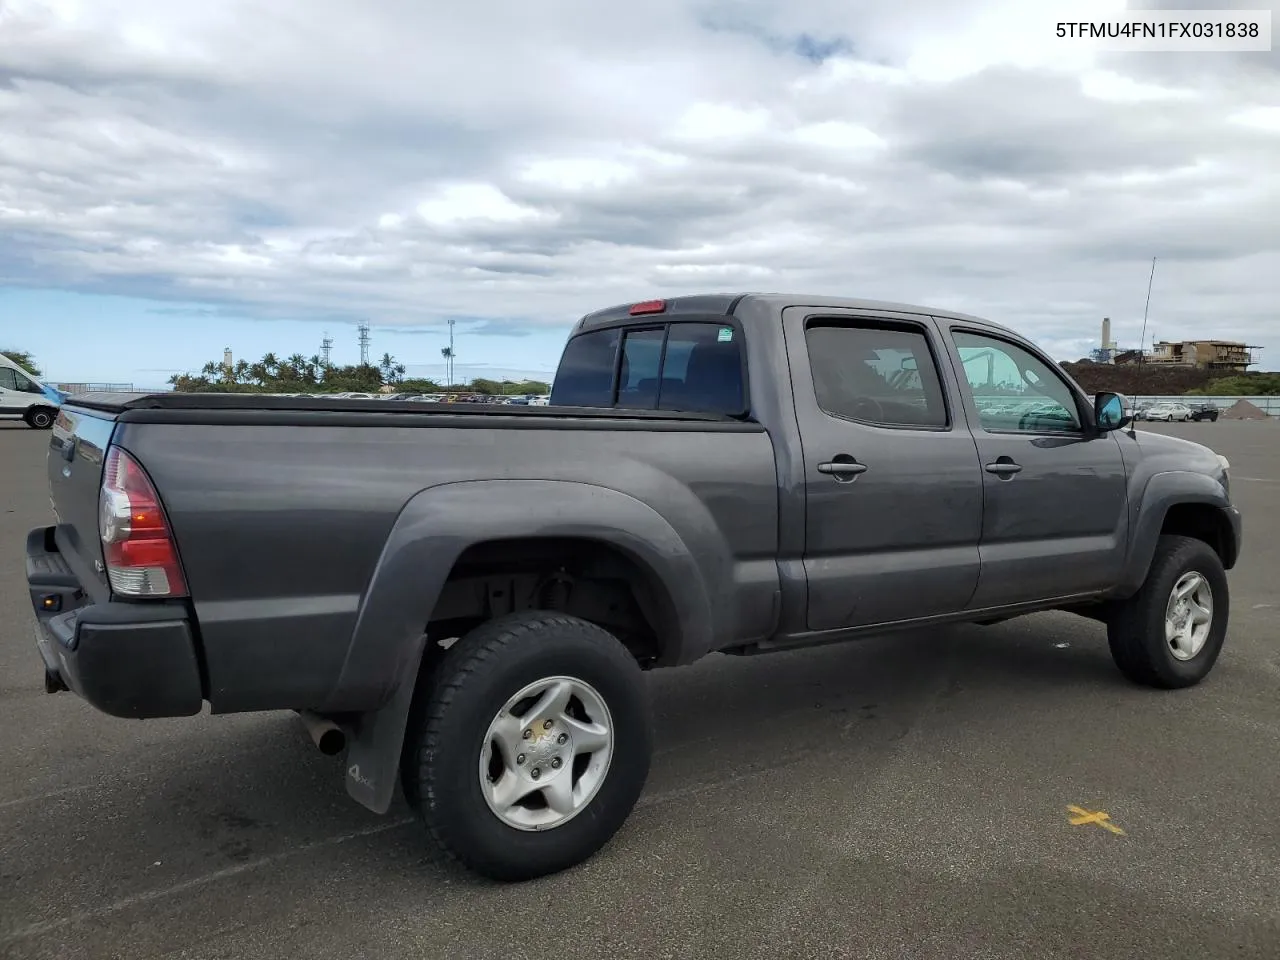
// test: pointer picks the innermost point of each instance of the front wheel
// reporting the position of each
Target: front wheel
(40, 418)
(1169, 634)
(531, 745)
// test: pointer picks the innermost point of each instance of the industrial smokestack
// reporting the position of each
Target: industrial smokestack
(1108, 348)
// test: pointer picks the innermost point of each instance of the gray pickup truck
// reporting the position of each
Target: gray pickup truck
(461, 600)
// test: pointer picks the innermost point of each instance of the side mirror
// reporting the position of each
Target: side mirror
(1111, 412)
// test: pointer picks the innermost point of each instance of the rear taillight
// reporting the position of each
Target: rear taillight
(137, 544)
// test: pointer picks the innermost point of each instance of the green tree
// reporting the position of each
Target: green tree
(419, 385)
(296, 374)
(392, 372)
(24, 360)
(299, 374)
(508, 388)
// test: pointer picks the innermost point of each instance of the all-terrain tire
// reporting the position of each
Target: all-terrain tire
(1136, 629)
(473, 681)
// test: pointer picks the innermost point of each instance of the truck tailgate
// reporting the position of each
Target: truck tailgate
(77, 450)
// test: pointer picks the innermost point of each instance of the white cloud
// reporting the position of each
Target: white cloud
(532, 161)
(462, 202)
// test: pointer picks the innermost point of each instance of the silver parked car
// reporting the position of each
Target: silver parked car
(1169, 412)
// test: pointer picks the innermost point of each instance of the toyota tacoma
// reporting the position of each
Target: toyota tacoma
(461, 599)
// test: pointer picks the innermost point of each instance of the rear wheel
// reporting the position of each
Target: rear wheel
(531, 745)
(1169, 634)
(41, 418)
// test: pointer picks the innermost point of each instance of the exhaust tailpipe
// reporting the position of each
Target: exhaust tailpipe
(325, 734)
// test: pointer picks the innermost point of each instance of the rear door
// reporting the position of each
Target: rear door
(892, 482)
(1056, 520)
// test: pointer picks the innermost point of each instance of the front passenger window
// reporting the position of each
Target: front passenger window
(1015, 391)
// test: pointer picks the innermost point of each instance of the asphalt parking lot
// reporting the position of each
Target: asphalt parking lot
(897, 798)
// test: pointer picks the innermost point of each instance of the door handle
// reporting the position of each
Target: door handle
(1004, 468)
(843, 470)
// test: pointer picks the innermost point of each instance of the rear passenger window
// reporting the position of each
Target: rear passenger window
(877, 374)
(585, 375)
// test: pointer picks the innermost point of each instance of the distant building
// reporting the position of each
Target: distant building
(1107, 350)
(1126, 357)
(1225, 355)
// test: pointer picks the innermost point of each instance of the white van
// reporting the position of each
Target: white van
(24, 397)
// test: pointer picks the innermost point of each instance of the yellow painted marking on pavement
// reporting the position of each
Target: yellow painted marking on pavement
(1079, 817)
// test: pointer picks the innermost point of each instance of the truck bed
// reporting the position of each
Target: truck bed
(238, 408)
(283, 509)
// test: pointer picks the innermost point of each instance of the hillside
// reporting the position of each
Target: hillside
(1150, 380)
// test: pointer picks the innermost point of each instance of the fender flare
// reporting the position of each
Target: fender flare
(1163, 491)
(439, 523)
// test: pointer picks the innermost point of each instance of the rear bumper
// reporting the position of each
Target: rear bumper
(133, 660)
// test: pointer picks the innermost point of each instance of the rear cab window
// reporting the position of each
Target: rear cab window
(693, 366)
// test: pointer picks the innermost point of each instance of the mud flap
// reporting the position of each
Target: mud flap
(376, 739)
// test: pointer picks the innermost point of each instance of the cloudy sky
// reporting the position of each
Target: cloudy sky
(179, 177)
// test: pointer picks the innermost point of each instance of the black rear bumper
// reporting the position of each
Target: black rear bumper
(127, 659)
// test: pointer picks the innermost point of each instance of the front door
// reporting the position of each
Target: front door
(1055, 522)
(892, 482)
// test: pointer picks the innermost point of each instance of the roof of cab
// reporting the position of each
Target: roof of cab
(723, 304)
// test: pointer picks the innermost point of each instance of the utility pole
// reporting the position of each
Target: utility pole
(364, 344)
